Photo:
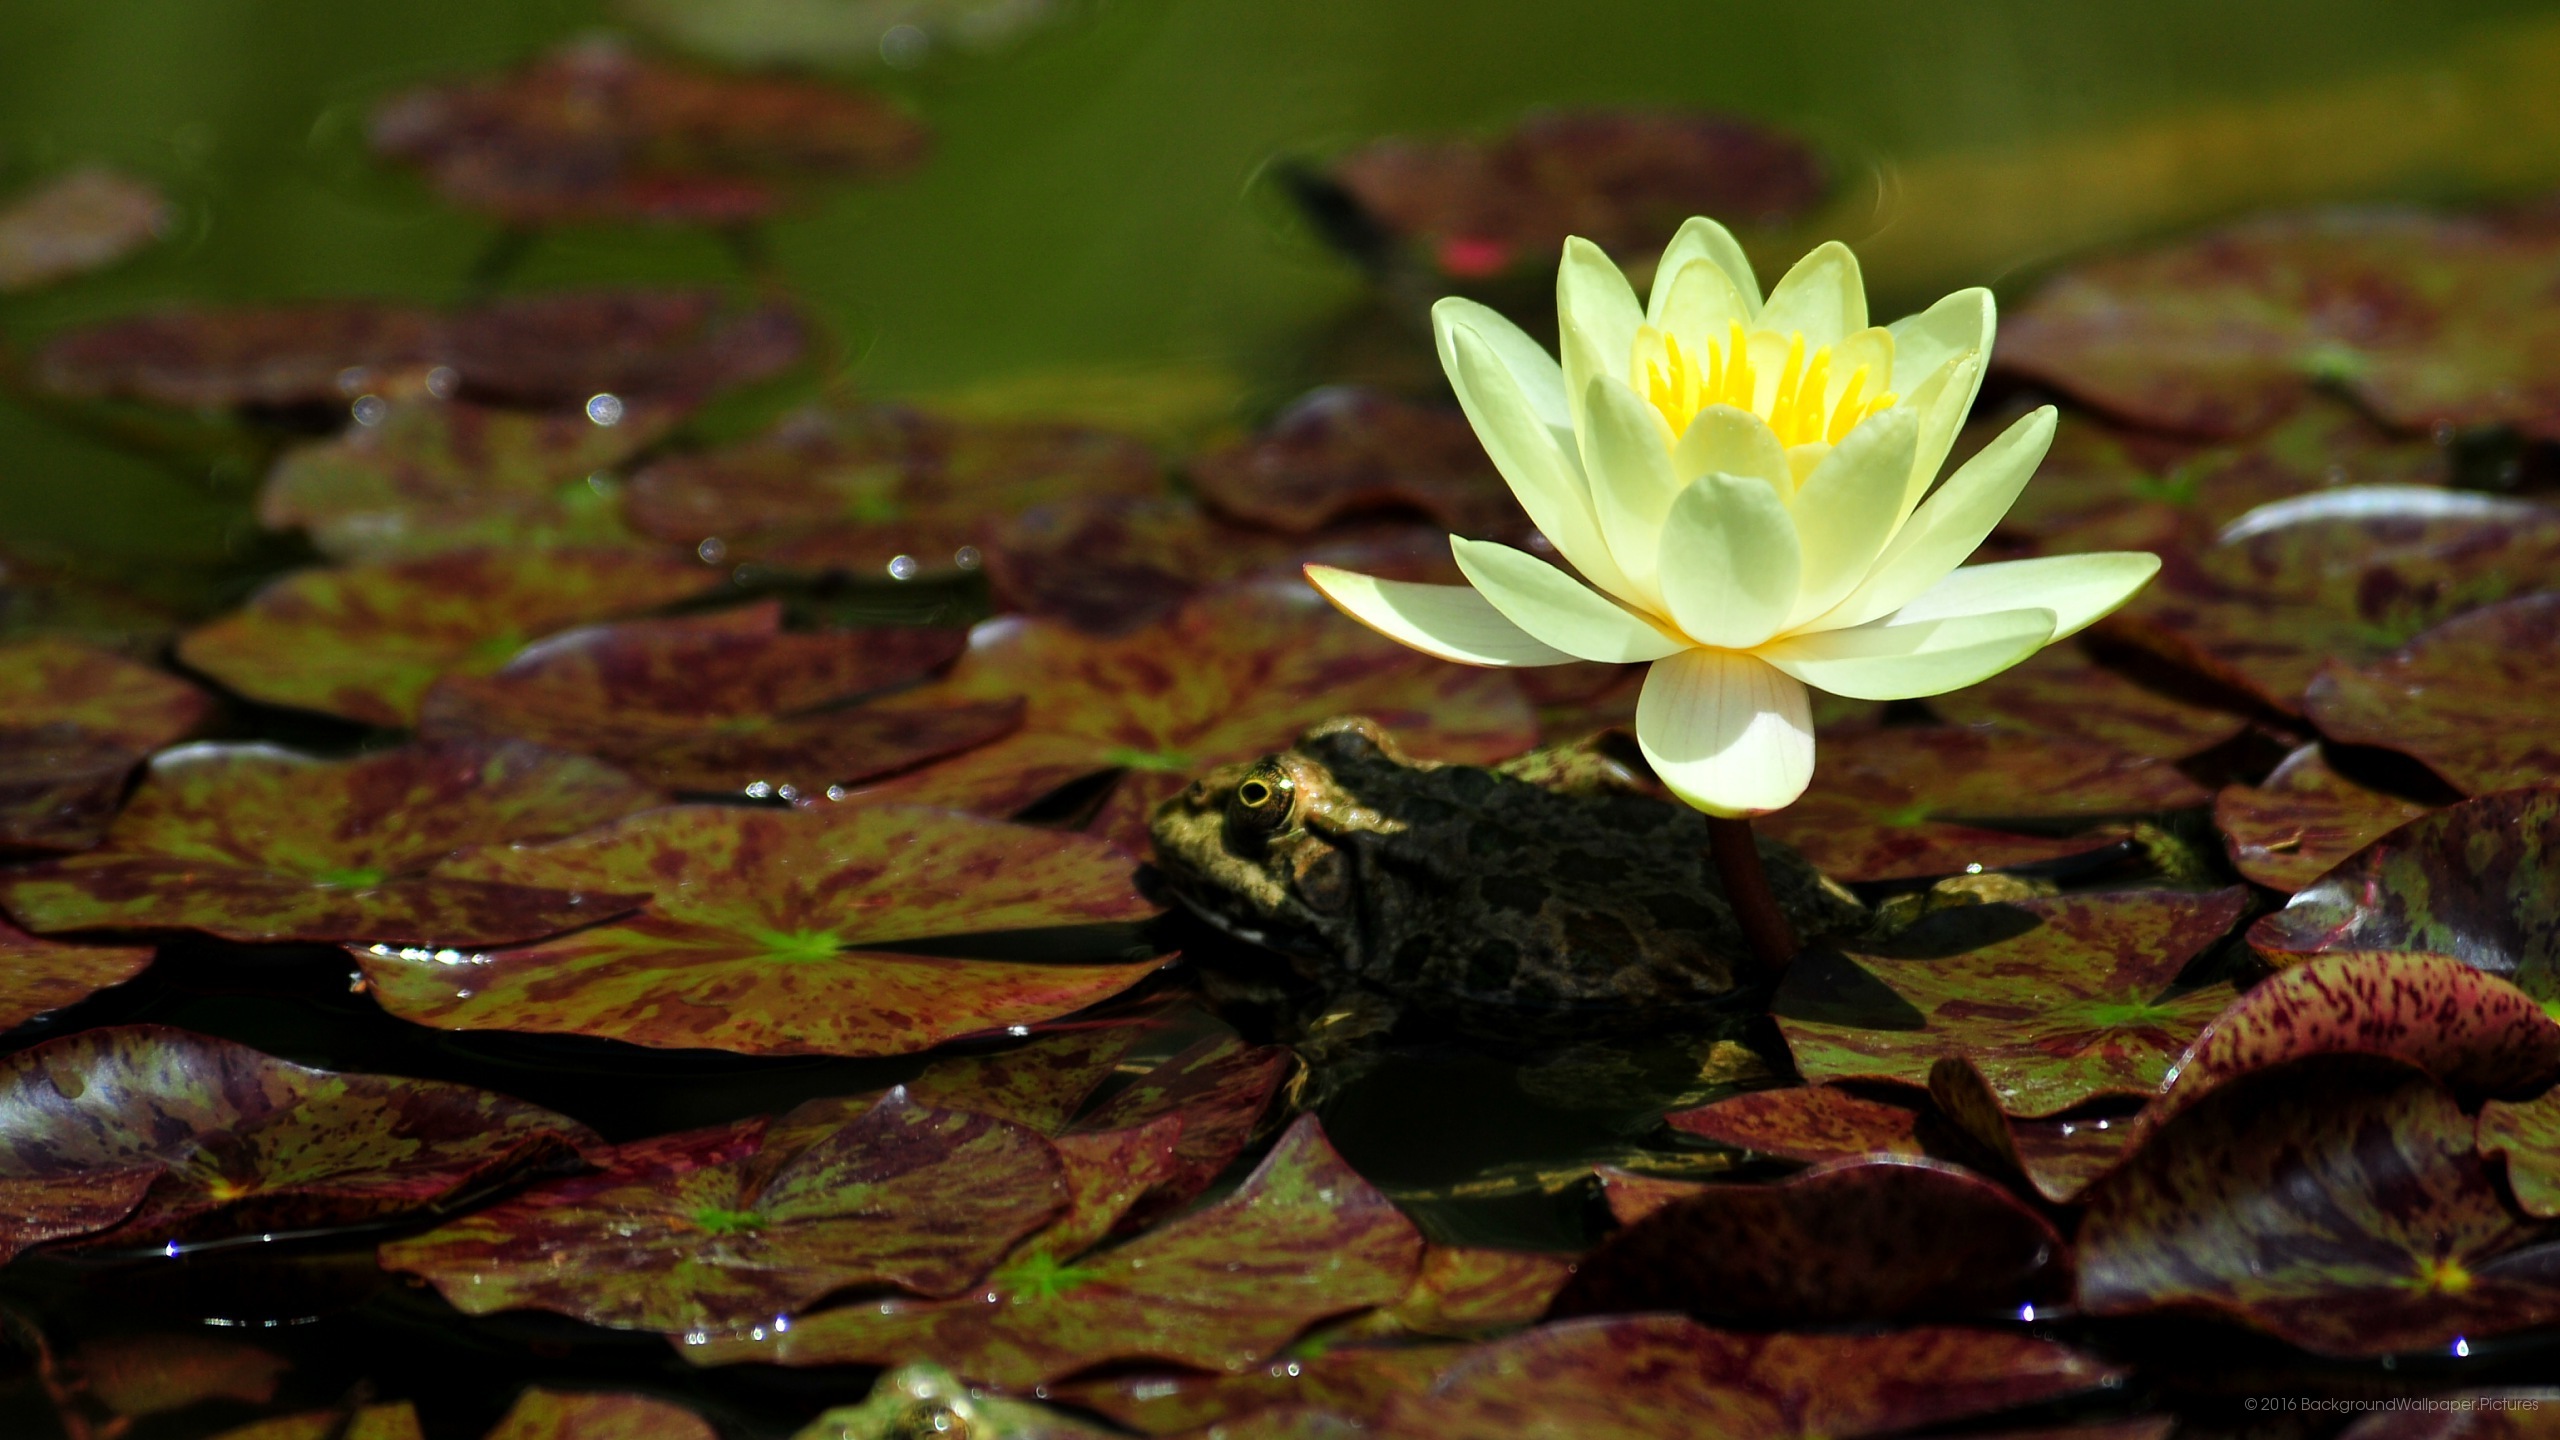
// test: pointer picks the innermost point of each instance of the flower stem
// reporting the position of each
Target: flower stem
(1746, 888)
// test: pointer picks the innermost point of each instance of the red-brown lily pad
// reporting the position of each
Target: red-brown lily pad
(2527, 1134)
(596, 132)
(395, 1421)
(1463, 1292)
(78, 720)
(727, 703)
(2061, 1156)
(559, 349)
(2058, 1000)
(2469, 1415)
(255, 843)
(2067, 692)
(541, 1414)
(1343, 451)
(1472, 209)
(859, 490)
(1220, 1088)
(1910, 802)
(86, 220)
(2467, 697)
(1812, 1123)
(2334, 1201)
(140, 1134)
(1666, 1377)
(2473, 881)
(1234, 674)
(2303, 819)
(1354, 1384)
(37, 976)
(419, 476)
(1865, 1240)
(710, 1231)
(773, 932)
(365, 641)
(923, 1398)
(1111, 563)
(2424, 319)
(153, 1374)
(1219, 1289)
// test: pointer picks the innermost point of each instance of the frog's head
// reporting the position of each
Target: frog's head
(1257, 848)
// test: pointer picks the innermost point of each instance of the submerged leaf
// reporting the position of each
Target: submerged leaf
(2469, 697)
(774, 932)
(147, 1374)
(86, 220)
(2296, 825)
(541, 1414)
(396, 1421)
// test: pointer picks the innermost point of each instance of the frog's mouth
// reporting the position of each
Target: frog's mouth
(1160, 881)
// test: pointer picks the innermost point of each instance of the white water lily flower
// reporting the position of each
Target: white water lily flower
(1746, 486)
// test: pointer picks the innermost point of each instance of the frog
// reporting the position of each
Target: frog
(1559, 895)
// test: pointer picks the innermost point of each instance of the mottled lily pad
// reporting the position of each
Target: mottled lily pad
(140, 1134)
(2302, 820)
(2061, 1156)
(2469, 697)
(1472, 209)
(922, 1398)
(395, 1421)
(1343, 450)
(37, 975)
(2473, 881)
(1218, 1289)
(596, 132)
(1864, 1240)
(558, 349)
(1891, 804)
(1220, 1089)
(2528, 1135)
(365, 641)
(772, 933)
(726, 703)
(2425, 319)
(1813, 1123)
(1236, 673)
(2058, 1001)
(77, 721)
(153, 1374)
(1111, 563)
(541, 1414)
(2068, 693)
(710, 1231)
(86, 220)
(1463, 1292)
(2333, 1201)
(420, 476)
(255, 843)
(1664, 1377)
(859, 490)
(1354, 1384)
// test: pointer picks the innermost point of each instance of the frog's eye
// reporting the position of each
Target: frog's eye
(1263, 800)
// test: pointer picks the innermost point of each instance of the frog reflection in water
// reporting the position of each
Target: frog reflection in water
(1549, 897)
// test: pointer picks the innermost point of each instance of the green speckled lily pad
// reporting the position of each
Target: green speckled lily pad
(2304, 818)
(74, 721)
(2469, 697)
(541, 1414)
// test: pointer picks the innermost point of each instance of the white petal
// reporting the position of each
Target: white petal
(1544, 475)
(1942, 401)
(1596, 319)
(2078, 589)
(1540, 378)
(1699, 306)
(1950, 524)
(1702, 239)
(1894, 660)
(1822, 296)
(1848, 508)
(1631, 479)
(1556, 608)
(1960, 323)
(1450, 621)
(1725, 732)
(1729, 561)
(1731, 439)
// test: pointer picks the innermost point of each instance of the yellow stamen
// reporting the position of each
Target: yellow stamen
(1782, 406)
(1738, 379)
(1809, 393)
(1845, 416)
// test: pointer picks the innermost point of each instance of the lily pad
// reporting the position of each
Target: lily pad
(1639, 1377)
(365, 641)
(395, 1421)
(922, 1398)
(2068, 693)
(2061, 1156)
(256, 843)
(2424, 319)
(148, 1374)
(2473, 881)
(2528, 1135)
(1892, 804)
(420, 476)
(1343, 450)
(2467, 697)
(2333, 1201)
(1473, 209)
(2058, 1000)
(1865, 1240)
(1463, 1292)
(857, 490)
(1220, 1089)
(1354, 1384)
(772, 933)
(79, 720)
(86, 220)
(541, 1414)
(1218, 1289)
(901, 34)
(726, 702)
(1813, 1123)
(1236, 673)
(37, 976)
(596, 132)
(139, 1134)
(1111, 563)
(2470, 1415)
(710, 1231)
(2291, 828)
